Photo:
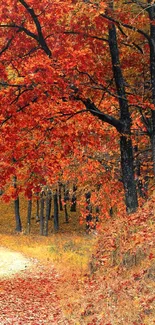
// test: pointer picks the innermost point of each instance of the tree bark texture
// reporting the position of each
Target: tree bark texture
(17, 215)
(42, 201)
(17, 208)
(60, 196)
(126, 148)
(151, 12)
(56, 212)
(48, 210)
(29, 212)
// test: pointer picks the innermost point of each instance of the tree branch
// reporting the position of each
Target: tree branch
(41, 38)
(127, 26)
(7, 45)
(90, 106)
(72, 32)
(21, 28)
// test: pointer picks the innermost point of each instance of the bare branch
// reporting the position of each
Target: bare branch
(21, 28)
(72, 32)
(6, 46)
(41, 38)
(90, 106)
(127, 26)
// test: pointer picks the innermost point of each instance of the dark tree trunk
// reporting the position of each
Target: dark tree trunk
(126, 148)
(88, 196)
(17, 215)
(151, 11)
(48, 210)
(60, 196)
(17, 208)
(42, 201)
(56, 212)
(141, 183)
(73, 203)
(128, 174)
(29, 212)
(66, 213)
(153, 146)
(66, 199)
(37, 210)
(89, 217)
(88, 203)
(73, 200)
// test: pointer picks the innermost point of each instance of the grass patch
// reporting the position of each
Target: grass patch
(69, 252)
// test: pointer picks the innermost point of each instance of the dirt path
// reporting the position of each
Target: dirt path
(12, 262)
(28, 292)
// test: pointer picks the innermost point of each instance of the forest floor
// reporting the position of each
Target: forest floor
(72, 278)
(28, 291)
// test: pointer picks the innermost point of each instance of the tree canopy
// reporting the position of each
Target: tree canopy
(77, 96)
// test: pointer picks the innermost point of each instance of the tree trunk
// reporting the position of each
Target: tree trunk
(29, 212)
(73, 200)
(48, 210)
(17, 208)
(66, 198)
(126, 149)
(151, 11)
(66, 213)
(89, 216)
(56, 212)
(37, 210)
(73, 203)
(128, 174)
(42, 215)
(17, 215)
(60, 197)
(153, 148)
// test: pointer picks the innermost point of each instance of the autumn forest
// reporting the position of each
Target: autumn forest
(77, 159)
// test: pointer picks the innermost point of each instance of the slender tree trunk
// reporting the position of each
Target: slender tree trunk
(66, 213)
(151, 11)
(29, 212)
(42, 215)
(37, 210)
(73, 200)
(48, 210)
(60, 196)
(138, 173)
(126, 149)
(128, 174)
(66, 198)
(17, 215)
(73, 203)
(89, 217)
(56, 212)
(153, 148)
(17, 208)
